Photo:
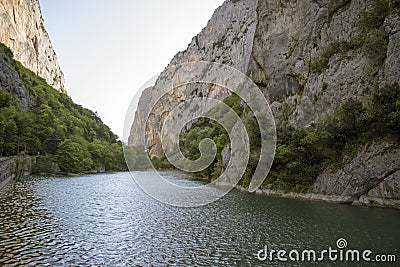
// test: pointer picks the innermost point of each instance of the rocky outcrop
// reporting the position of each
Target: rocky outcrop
(226, 39)
(391, 73)
(277, 43)
(23, 31)
(9, 79)
(372, 177)
(307, 57)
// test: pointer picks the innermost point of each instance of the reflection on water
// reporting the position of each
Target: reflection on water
(107, 220)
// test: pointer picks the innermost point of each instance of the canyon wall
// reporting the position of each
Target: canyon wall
(22, 30)
(307, 57)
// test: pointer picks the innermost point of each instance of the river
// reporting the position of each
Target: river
(107, 220)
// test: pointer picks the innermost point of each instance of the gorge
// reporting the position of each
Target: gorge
(22, 30)
(37, 117)
(318, 63)
(330, 72)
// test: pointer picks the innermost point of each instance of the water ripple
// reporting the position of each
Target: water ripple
(106, 220)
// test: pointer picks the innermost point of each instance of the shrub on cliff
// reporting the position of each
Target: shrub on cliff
(302, 154)
(375, 14)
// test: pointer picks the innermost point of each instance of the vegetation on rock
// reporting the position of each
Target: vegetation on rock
(54, 126)
(302, 154)
(373, 40)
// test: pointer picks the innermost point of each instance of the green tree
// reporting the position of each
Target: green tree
(375, 44)
(73, 157)
(386, 109)
(137, 158)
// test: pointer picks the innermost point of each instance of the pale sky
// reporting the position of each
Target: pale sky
(108, 49)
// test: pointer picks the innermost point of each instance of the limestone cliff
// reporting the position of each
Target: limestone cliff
(9, 79)
(228, 39)
(23, 31)
(307, 57)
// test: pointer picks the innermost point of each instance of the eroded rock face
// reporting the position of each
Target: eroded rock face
(290, 36)
(277, 44)
(23, 31)
(372, 177)
(227, 39)
(391, 72)
(9, 79)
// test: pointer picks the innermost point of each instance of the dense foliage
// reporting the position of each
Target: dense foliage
(207, 128)
(190, 141)
(302, 154)
(137, 158)
(55, 126)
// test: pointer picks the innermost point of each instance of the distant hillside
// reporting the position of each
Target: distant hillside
(36, 119)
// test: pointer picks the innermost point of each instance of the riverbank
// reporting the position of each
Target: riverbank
(361, 201)
(14, 168)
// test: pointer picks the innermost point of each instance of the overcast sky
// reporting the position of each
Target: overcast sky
(108, 49)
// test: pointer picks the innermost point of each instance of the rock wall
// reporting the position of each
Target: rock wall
(278, 44)
(371, 178)
(292, 35)
(228, 39)
(9, 79)
(22, 30)
(7, 171)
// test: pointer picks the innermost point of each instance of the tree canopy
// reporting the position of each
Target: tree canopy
(55, 126)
